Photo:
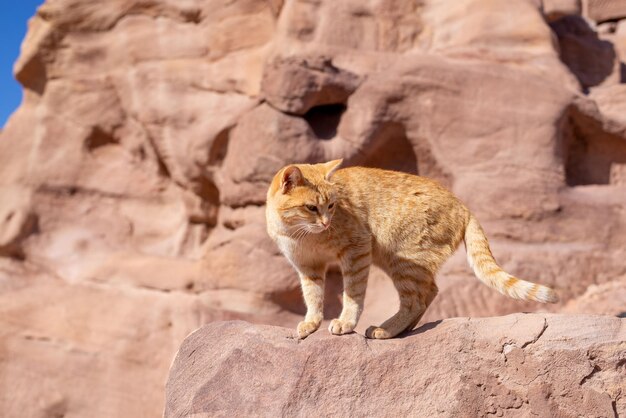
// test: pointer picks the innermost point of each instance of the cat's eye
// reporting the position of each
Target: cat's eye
(312, 208)
(332, 205)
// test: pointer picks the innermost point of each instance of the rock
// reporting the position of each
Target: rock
(602, 10)
(16, 219)
(295, 85)
(615, 33)
(605, 299)
(101, 341)
(134, 173)
(556, 9)
(523, 364)
(611, 102)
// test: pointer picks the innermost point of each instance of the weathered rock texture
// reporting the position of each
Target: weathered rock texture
(133, 175)
(514, 366)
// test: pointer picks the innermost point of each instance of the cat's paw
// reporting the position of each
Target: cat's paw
(306, 328)
(339, 327)
(377, 333)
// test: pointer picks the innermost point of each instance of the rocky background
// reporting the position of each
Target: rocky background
(133, 175)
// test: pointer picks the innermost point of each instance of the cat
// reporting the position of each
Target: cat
(405, 224)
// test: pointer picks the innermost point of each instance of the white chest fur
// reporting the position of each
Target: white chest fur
(302, 252)
(287, 246)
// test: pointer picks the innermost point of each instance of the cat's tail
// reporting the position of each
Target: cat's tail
(490, 273)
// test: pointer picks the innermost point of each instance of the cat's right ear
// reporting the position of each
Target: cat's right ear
(292, 177)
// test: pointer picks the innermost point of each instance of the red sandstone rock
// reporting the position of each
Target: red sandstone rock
(133, 175)
(295, 85)
(606, 299)
(556, 9)
(517, 365)
(601, 10)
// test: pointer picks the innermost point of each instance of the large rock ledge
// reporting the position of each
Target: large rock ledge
(516, 365)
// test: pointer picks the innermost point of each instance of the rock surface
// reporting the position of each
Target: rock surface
(515, 366)
(133, 175)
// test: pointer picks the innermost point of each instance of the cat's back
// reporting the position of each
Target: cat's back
(374, 184)
(395, 204)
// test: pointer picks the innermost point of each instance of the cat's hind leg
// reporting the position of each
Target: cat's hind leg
(417, 289)
(430, 293)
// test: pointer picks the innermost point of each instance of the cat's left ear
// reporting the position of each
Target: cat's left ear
(330, 167)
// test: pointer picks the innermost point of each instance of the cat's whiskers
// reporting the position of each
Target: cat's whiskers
(303, 233)
(295, 233)
(300, 232)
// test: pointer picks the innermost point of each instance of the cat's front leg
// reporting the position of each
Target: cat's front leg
(355, 267)
(312, 283)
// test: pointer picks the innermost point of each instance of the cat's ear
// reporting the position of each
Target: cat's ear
(292, 177)
(330, 167)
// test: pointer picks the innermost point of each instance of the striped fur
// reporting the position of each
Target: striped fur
(357, 217)
(489, 272)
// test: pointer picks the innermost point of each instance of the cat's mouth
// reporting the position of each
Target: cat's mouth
(320, 228)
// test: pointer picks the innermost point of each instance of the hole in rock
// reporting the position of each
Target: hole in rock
(192, 16)
(98, 138)
(325, 119)
(390, 149)
(592, 156)
(590, 58)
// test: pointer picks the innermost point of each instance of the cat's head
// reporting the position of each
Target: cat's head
(302, 198)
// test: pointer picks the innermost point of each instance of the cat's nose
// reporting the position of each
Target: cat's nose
(326, 223)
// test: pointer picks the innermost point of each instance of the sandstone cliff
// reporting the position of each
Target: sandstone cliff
(132, 176)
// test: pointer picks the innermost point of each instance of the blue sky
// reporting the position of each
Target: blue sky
(13, 24)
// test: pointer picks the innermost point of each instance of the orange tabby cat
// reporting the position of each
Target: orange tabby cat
(405, 224)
